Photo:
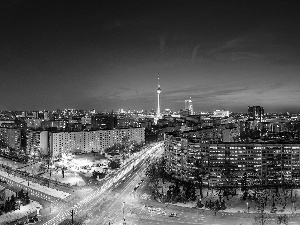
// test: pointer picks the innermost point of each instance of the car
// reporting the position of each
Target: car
(30, 221)
(163, 213)
(173, 215)
(151, 210)
(35, 218)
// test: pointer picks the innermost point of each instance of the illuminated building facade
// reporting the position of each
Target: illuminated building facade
(71, 142)
(106, 121)
(263, 162)
(221, 113)
(189, 106)
(36, 142)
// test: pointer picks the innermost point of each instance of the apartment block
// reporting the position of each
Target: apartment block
(265, 162)
(10, 137)
(88, 141)
(36, 142)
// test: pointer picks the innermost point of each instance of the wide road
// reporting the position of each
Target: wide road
(93, 201)
(112, 211)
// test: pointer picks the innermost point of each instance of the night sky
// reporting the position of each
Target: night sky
(108, 54)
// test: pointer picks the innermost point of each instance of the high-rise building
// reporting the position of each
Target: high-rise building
(189, 106)
(256, 113)
(36, 142)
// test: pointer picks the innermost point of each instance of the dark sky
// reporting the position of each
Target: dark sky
(108, 54)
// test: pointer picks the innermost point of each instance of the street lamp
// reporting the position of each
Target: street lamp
(247, 207)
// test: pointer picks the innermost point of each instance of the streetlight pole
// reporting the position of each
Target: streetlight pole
(72, 214)
(124, 222)
(248, 207)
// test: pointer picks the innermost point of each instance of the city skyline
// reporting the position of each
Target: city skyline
(108, 55)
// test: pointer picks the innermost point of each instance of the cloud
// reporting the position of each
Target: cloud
(232, 93)
(195, 51)
(257, 46)
(120, 93)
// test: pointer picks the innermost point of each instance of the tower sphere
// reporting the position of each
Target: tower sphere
(158, 90)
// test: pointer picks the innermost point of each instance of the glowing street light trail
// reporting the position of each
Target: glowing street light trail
(96, 197)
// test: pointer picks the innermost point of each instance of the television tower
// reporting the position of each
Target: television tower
(158, 106)
(158, 93)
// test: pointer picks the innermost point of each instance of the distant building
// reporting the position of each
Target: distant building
(221, 113)
(127, 122)
(86, 120)
(189, 106)
(6, 122)
(104, 121)
(33, 123)
(10, 137)
(57, 124)
(184, 113)
(256, 113)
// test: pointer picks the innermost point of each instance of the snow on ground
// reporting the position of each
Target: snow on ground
(70, 177)
(10, 163)
(18, 214)
(234, 204)
(34, 168)
(187, 205)
(49, 191)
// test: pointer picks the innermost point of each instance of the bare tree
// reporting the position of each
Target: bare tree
(199, 173)
(261, 202)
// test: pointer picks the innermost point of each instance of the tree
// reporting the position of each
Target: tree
(261, 202)
(12, 202)
(152, 172)
(114, 164)
(162, 168)
(26, 199)
(94, 174)
(199, 204)
(199, 173)
(282, 219)
(6, 206)
(244, 186)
